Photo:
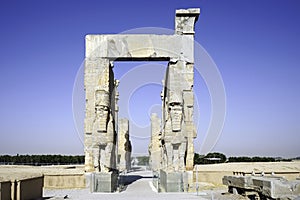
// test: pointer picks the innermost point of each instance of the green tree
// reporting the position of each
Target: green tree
(210, 158)
(198, 159)
(143, 160)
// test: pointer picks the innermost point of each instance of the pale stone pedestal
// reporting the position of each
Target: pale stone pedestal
(104, 182)
(171, 181)
(175, 181)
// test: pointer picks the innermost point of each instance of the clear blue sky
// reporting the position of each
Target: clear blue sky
(254, 43)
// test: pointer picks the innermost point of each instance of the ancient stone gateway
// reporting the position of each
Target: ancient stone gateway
(173, 136)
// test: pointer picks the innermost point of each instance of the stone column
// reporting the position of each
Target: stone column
(95, 68)
(178, 129)
(124, 148)
(154, 147)
(100, 134)
(189, 128)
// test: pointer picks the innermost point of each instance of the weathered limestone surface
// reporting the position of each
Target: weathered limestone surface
(177, 128)
(104, 182)
(185, 20)
(238, 181)
(66, 181)
(155, 144)
(276, 187)
(124, 147)
(171, 181)
(271, 186)
(140, 47)
(100, 131)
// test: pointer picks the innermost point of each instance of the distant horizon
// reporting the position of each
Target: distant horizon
(254, 44)
(227, 156)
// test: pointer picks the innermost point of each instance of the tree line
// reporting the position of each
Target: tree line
(143, 160)
(41, 159)
(210, 158)
(213, 158)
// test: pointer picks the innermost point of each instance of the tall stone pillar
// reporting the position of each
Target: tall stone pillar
(95, 68)
(100, 133)
(155, 146)
(178, 131)
(184, 25)
(124, 148)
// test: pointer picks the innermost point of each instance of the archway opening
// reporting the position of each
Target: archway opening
(139, 96)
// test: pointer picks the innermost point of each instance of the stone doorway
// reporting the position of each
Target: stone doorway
(173, 135)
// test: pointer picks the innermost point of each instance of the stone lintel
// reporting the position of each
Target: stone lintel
(140, 47)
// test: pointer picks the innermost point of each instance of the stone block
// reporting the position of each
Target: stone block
(269, 187)
(171, 181)
(29, 188)
(142, 46)
(185, 20)
(244, 182)
(104, 182)
(65, 181)
(276, 187)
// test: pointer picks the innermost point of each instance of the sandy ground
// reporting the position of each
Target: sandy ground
(71, 169)
(139, 189)
(8, 172)
(143, 187)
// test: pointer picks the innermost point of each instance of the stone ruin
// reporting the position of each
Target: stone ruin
(171, 148)
(124, 146)
(155, 144)
(263, 187)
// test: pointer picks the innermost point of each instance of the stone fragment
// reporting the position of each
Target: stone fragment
(124, 146)
(264, 186)
(155, 145)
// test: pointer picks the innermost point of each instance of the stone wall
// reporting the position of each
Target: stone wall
(64, 181)
(215, 177)
(5, 190)
(22, 188)
(31, 188)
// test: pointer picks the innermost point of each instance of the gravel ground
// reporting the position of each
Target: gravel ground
(139, 189)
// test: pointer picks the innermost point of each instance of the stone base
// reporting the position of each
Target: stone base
(104, 182)
(5, 190)
(171, 181)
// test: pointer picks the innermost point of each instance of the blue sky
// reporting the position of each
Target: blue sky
(255, 45)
